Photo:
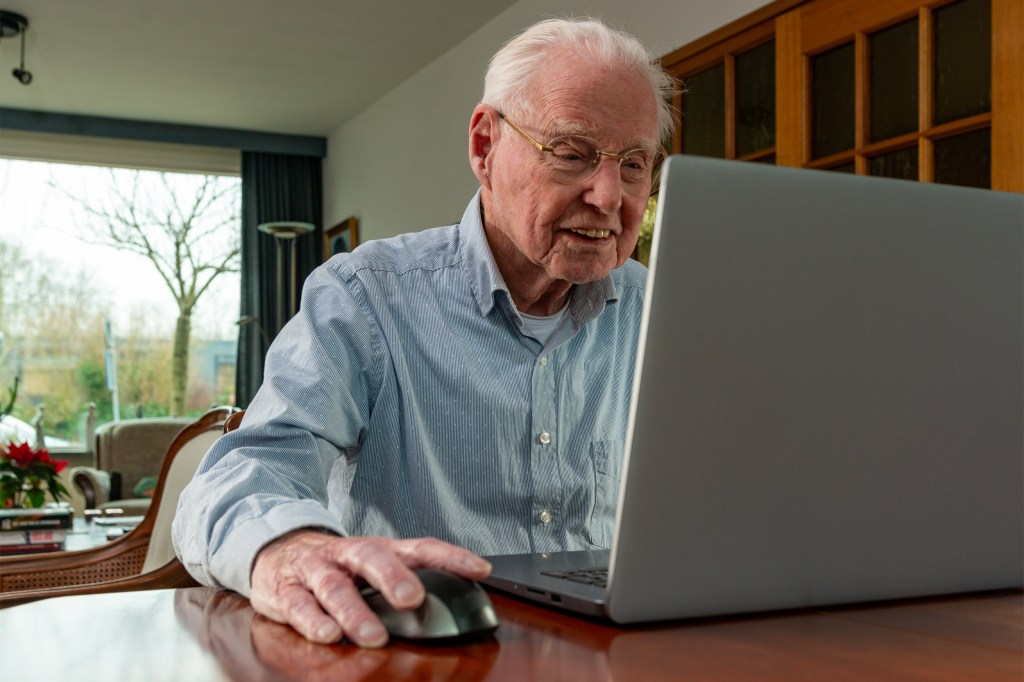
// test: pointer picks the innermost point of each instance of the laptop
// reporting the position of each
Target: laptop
(828, 405)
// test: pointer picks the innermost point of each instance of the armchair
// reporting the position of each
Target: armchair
(126, 451)
(142, 559)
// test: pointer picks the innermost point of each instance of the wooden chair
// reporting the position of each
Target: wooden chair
(143, 559)
(234, 421)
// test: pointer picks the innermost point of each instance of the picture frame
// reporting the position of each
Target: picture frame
(342, 238)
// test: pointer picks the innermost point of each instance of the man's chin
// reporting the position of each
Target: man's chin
(579, 273)
(590, 263)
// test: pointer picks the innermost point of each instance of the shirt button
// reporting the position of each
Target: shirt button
(545, 517)
(544, 438)
(544, 361)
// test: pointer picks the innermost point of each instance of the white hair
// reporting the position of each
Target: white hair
(513, 67)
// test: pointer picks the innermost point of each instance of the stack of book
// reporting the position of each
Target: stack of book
(24, 531)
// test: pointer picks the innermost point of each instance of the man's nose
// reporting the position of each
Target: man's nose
(604, 190)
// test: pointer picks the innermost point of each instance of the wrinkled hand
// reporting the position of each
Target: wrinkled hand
(307, 579)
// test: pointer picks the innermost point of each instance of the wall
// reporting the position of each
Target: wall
(402, 165)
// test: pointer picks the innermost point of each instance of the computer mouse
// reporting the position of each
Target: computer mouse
(454, 608)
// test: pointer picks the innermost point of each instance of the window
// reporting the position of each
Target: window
(102, 272)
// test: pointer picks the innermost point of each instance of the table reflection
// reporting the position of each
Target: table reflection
(527, 644)
(251, 647)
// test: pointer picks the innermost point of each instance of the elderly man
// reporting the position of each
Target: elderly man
(460, 391)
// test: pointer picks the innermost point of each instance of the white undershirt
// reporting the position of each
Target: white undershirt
(541, 328)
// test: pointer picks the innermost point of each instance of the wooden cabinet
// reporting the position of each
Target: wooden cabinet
(916, 89)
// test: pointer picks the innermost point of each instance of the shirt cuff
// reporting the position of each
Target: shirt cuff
(231, 565)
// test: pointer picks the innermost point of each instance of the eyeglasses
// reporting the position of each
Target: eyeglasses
(572, 159)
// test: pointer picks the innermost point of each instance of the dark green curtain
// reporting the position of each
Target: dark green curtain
(275, 187)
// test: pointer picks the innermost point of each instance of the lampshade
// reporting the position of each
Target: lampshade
(285, 229)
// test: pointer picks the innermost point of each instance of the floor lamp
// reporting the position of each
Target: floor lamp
(287, 288)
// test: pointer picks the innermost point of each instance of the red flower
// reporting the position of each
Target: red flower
(44, 458)
(22, 454)
(27, 475)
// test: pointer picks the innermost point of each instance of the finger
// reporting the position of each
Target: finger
(339, 597)
(434, 553)
(374, 559)
(302, 611)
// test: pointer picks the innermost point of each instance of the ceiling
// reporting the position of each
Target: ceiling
(300, 67)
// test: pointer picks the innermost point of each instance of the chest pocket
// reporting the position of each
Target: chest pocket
(606, 458)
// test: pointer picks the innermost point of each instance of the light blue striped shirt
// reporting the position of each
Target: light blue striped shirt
(407, 399)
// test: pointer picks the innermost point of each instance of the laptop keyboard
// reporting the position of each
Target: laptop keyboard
(590, 576)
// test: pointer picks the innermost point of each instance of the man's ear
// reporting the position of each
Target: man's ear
(482, 128)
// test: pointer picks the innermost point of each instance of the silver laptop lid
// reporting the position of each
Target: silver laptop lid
(829, 405)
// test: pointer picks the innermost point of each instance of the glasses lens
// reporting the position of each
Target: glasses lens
(576, 159)
(572, 157)
(636, 166)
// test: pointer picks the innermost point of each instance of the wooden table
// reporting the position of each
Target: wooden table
(201, 634)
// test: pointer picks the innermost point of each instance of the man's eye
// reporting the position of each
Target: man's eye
(638, 162)
(568, 152)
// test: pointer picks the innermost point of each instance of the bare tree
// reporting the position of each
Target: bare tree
(188, 229)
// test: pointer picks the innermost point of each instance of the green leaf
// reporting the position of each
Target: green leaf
(36, 497)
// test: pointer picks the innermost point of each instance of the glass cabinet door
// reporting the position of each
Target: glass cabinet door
(934, 128)
(728, 108)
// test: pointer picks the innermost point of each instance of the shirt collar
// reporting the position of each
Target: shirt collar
(587, 300)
